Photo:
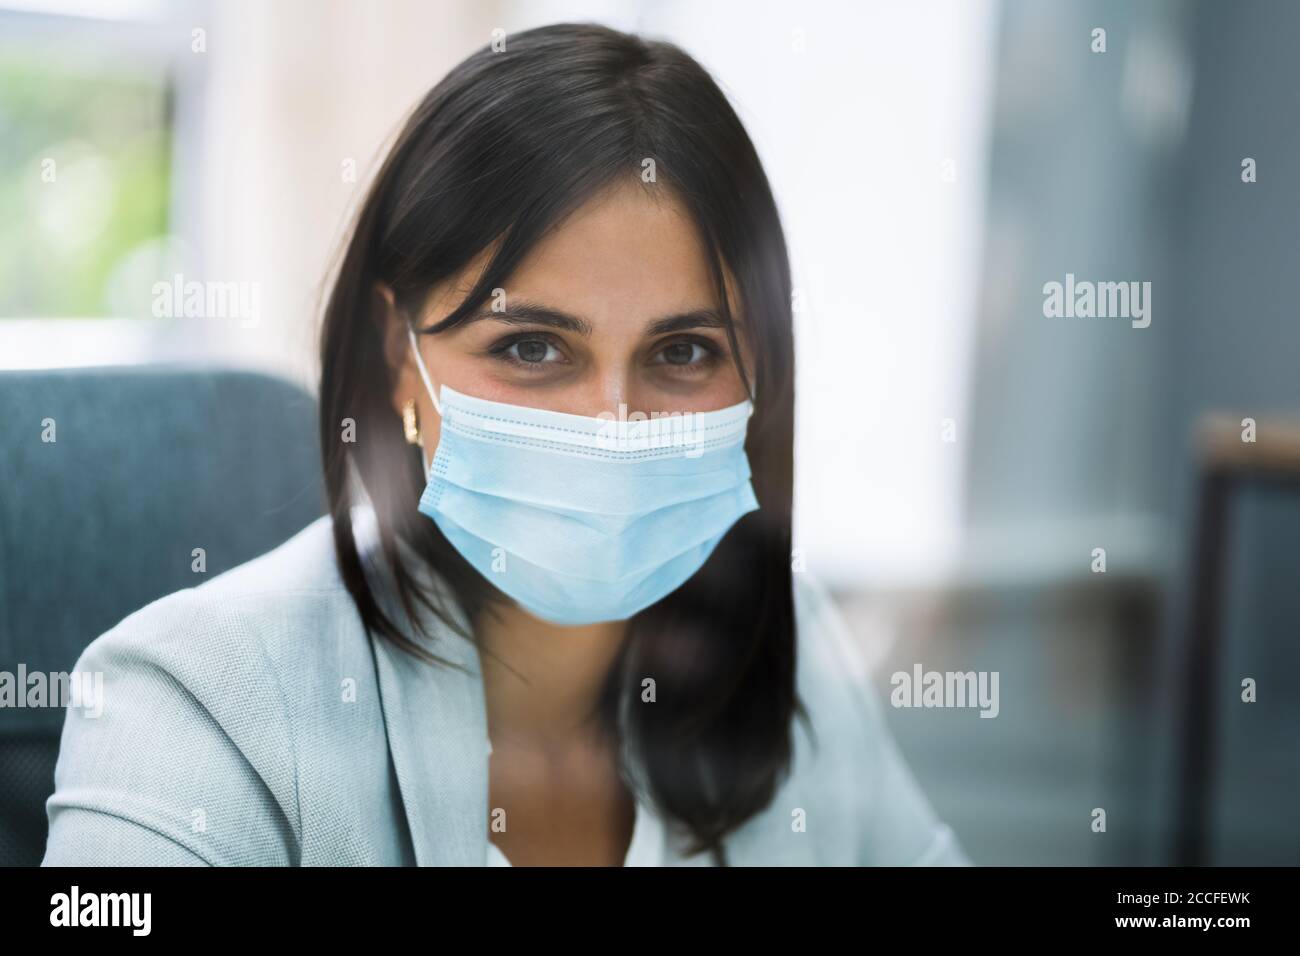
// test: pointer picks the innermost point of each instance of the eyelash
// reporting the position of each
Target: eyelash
(500, 350)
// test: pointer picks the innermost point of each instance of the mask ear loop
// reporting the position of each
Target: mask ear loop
(428, 384)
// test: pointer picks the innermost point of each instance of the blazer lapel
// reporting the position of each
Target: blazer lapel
(436, 722)
(435, 717)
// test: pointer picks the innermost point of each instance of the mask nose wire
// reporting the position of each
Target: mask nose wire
(428, 384)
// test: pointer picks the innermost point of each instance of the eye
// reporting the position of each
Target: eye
(529, 350)
(687, 354)
(682, 353)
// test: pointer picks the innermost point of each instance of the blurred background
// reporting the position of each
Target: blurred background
(961, 456)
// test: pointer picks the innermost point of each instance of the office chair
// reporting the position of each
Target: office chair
(144, 466)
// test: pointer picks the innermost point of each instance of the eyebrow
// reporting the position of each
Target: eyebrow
(532, 313)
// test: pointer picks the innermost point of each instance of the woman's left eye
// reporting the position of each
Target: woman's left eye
(684, 354)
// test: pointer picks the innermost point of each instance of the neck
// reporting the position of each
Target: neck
(542, 681)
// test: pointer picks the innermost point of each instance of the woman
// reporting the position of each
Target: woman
(550, 617)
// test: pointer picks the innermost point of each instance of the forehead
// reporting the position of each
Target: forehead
(626, 256)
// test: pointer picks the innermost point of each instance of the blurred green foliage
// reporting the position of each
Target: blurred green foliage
(87, 166)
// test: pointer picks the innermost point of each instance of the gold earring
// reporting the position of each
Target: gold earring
(409, 423)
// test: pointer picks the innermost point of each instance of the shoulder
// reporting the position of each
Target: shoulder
(251, 608)
(198, 692)
(249, 632)
(304, 566)
(833, 676)
(852, 754)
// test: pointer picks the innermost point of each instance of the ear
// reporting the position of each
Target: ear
(392, 324)
(392, 327)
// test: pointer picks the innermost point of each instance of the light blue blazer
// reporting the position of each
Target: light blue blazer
(251, 721)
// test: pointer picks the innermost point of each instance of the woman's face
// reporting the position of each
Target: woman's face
(614, 307)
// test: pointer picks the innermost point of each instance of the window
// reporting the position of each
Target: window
(87, 140)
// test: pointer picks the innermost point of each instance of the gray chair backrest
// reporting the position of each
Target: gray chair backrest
(145, 465)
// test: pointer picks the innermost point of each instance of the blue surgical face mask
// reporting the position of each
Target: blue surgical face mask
(583, 519)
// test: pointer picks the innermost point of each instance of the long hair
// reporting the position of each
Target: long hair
(498, 152)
